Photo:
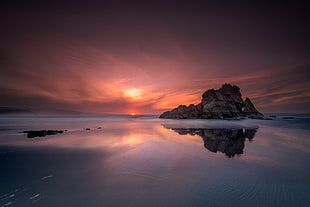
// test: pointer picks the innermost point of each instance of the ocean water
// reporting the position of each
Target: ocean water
(146, 161)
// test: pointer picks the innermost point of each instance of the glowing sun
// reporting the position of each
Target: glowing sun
(133, 93)
(132, 113)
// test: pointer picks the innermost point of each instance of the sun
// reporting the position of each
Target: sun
(133, 93)
(132, 113)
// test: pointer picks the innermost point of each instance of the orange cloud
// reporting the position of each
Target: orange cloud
(94, 79)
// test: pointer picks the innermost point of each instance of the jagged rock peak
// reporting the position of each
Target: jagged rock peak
(225, 102)
(249, 108)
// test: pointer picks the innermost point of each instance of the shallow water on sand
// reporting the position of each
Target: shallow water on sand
(146, 161)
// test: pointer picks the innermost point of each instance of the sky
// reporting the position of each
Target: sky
(151, 56)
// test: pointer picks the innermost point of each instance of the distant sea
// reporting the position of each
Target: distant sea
(123, 160)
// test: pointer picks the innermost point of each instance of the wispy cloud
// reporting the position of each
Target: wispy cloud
(94, 79)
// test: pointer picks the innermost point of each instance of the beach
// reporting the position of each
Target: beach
(123, 160)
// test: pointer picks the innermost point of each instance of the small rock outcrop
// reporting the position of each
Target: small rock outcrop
(42, 133)
(223, 103)
(249, 109)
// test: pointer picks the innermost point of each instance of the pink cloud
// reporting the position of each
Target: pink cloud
(95, 79)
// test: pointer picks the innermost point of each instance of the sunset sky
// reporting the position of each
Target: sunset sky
(150, 56)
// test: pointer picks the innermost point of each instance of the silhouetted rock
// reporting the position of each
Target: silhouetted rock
(42, 133)
(228, 141)
(250, 111)
(223, 103)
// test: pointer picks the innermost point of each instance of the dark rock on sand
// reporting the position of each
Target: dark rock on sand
(42, 133)
(223, 103)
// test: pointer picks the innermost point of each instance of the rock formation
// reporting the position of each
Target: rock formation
(223, 103)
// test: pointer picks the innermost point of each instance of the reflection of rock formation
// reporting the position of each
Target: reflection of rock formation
(228, 141)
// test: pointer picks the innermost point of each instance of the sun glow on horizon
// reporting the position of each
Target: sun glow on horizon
(132, 113)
